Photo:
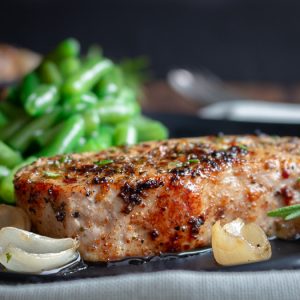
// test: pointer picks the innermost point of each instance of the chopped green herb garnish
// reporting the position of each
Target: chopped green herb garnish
(193, 161)
(287, 212)
(298, 179)
(243, 147)
(51, 174)
(8, 257)
(64, 159)
(103, 162)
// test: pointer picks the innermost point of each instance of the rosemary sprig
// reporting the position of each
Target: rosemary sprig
(287, 212)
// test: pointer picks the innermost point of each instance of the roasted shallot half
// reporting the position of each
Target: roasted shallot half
(13, 217)
(27, 252)
(239, 243)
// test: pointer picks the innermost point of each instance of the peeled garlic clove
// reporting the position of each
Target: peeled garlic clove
(23, 251)
(14, 217)
(18, 260)
(34, 243)
(237, 243)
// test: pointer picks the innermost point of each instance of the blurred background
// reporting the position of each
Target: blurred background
(252, 46)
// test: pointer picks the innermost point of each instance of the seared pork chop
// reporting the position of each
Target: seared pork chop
(160, 196)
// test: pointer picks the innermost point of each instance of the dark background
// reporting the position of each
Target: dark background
(237, 40)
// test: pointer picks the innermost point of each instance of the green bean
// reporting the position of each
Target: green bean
(69, 66)
(100, 140)
(91, 145)
(42, 100)
(4, 171)
(86, 77)
(16, 119)
(28, 85)
(110, 84)
(113, 112)
(94, 52)
(125, 134)
(127, 94)
(107, 131)
(22, 139)
(3, 119)
(67, 138)
(8, 157)
(78, 103)
(150, 130)
(12, 127)
(67, 48)
(91, 121)
(49, 73)
(7, 193)
(13, 94)
(12, 111)
(45, 137)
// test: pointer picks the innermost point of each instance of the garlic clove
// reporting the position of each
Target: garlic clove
(18, 260)
(32, 242)
(23, 251)
(14, 217)
(237, 243)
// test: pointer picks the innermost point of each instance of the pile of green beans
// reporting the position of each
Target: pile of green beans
(69, 103)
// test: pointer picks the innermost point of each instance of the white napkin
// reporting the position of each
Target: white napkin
(168, 285)
(253, 111)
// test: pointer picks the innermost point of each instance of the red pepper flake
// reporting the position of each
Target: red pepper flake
(69, 180)
(287, 195)
(285, 173)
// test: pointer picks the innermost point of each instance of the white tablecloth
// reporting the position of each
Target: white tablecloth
(171, 285)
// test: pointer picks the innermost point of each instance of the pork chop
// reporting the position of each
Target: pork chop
(160, 196)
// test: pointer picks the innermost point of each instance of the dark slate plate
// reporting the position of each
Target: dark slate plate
(286, 254)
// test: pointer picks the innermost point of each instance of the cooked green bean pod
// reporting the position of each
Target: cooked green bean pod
(79, 103)
(45, 137)
(86, 77)
(113, 112)
(67, 48)
(69, 66)
(3, 119)
(110, 84)
(149, 130)
(91, 120)
(11, 111)
(49, 73)
(9, 157)
(125, 134)
(42, 100)
(94, 52)
(22, 139)
(100, 140)
(4, 171)
(28, 85)
(7, 193)
(68, 137)
(12, 127)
